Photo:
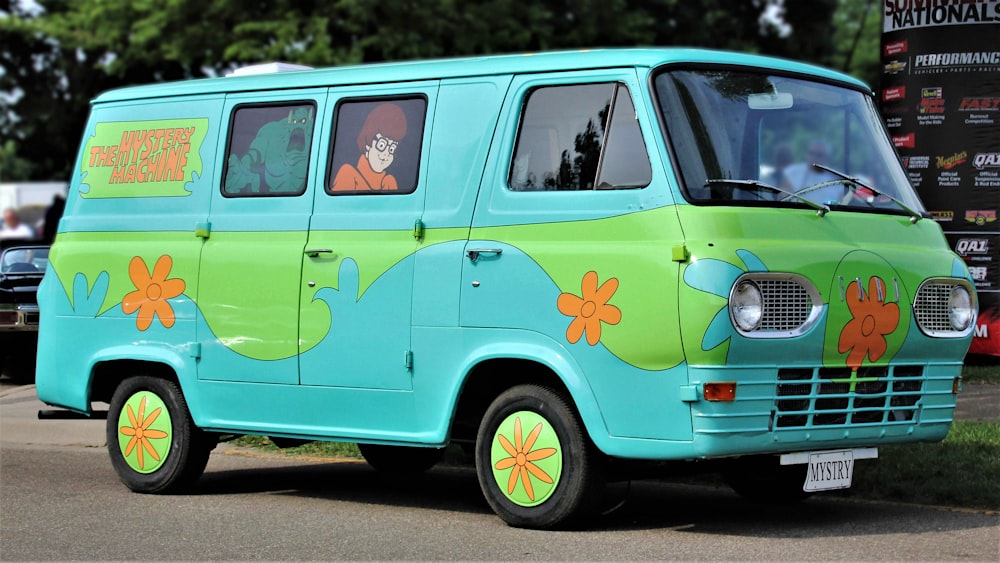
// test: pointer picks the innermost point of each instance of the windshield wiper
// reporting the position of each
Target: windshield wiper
(853, 184)
(820, 208)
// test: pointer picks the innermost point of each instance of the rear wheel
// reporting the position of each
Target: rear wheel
(400, 460)
(153, 443)
(536, 466)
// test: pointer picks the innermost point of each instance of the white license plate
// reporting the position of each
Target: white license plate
(829, 470)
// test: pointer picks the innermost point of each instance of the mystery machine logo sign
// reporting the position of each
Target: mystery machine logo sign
(142, 158)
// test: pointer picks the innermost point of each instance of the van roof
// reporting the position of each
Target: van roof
(466, 67)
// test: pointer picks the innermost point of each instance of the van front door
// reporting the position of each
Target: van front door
(571, 245)
(357, 266)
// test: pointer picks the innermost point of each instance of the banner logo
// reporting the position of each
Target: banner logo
(907, 141)
(979, 104)
(896, 48)
(142, 158)
(931, 101)
(981, 217)
(894, 93)
(968, 246)
(975, 58)
(904, 14)
(949, 162)
(986, 160)
(895, 67)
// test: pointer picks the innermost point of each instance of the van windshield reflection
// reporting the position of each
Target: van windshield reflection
(745, 138)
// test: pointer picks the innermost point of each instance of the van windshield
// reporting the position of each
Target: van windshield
(746, 138)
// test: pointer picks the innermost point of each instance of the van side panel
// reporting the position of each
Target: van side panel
(463, 129)
(126, 265)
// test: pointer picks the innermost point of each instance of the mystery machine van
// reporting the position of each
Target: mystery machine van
(566, 263)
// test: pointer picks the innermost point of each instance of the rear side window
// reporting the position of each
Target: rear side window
(579, 137)
(376, 146)
(268, 150)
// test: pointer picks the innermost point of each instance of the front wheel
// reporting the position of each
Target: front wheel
(536, 466)
(154, 445)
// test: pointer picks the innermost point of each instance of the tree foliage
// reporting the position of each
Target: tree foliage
(56, 56)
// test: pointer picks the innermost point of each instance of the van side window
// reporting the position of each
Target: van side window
(268, 150)
(579, 137)
(376, 146)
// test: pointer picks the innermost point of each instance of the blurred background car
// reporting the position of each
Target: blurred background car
(21, 269)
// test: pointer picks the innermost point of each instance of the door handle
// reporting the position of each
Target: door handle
(314, 252)
(474, 253)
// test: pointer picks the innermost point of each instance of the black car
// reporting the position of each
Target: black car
(22, 266)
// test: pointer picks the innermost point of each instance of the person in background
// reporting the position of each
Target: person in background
(13, 228)
(782, 159)
(52, 216)
(803, 175)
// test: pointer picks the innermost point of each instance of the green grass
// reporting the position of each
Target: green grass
(982, 371)
(314, 449)
(961, 471)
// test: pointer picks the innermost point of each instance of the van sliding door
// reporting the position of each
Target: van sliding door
(259, 220)
(357, 266)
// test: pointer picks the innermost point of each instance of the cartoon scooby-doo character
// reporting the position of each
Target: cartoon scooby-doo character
(379, 137)
(278, 158)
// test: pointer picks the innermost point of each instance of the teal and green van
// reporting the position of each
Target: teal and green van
(565, 263)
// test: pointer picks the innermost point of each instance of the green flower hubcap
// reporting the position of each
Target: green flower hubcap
(144, 432)
(526, 458)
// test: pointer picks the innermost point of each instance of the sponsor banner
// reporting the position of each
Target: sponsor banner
(987, 329)
(902, 15)
(979, 250)
(940, 98)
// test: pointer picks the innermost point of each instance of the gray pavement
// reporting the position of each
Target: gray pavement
(19, 421)
(979, 403)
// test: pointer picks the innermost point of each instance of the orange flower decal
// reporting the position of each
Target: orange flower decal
(151, 292)
(590, 310)
(864, 335)
(521, 458)
(141, 433)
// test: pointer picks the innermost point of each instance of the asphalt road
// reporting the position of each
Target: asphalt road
(60, 499)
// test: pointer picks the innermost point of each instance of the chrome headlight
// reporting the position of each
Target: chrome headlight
(960, 310)
(945, 307)
(746, 306)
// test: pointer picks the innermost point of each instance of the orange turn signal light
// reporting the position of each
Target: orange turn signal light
(720, 392)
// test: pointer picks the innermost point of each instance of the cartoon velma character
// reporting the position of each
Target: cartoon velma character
(380, 134)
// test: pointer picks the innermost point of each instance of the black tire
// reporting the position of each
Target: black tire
(176, 450)
(400, 460)
(762, 479)
(522, 497)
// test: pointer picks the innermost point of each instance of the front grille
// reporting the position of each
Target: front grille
(931, 307)
(835, 397)
(787, 305)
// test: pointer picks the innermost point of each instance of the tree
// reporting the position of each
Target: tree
(55, 58)
(859, 35)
